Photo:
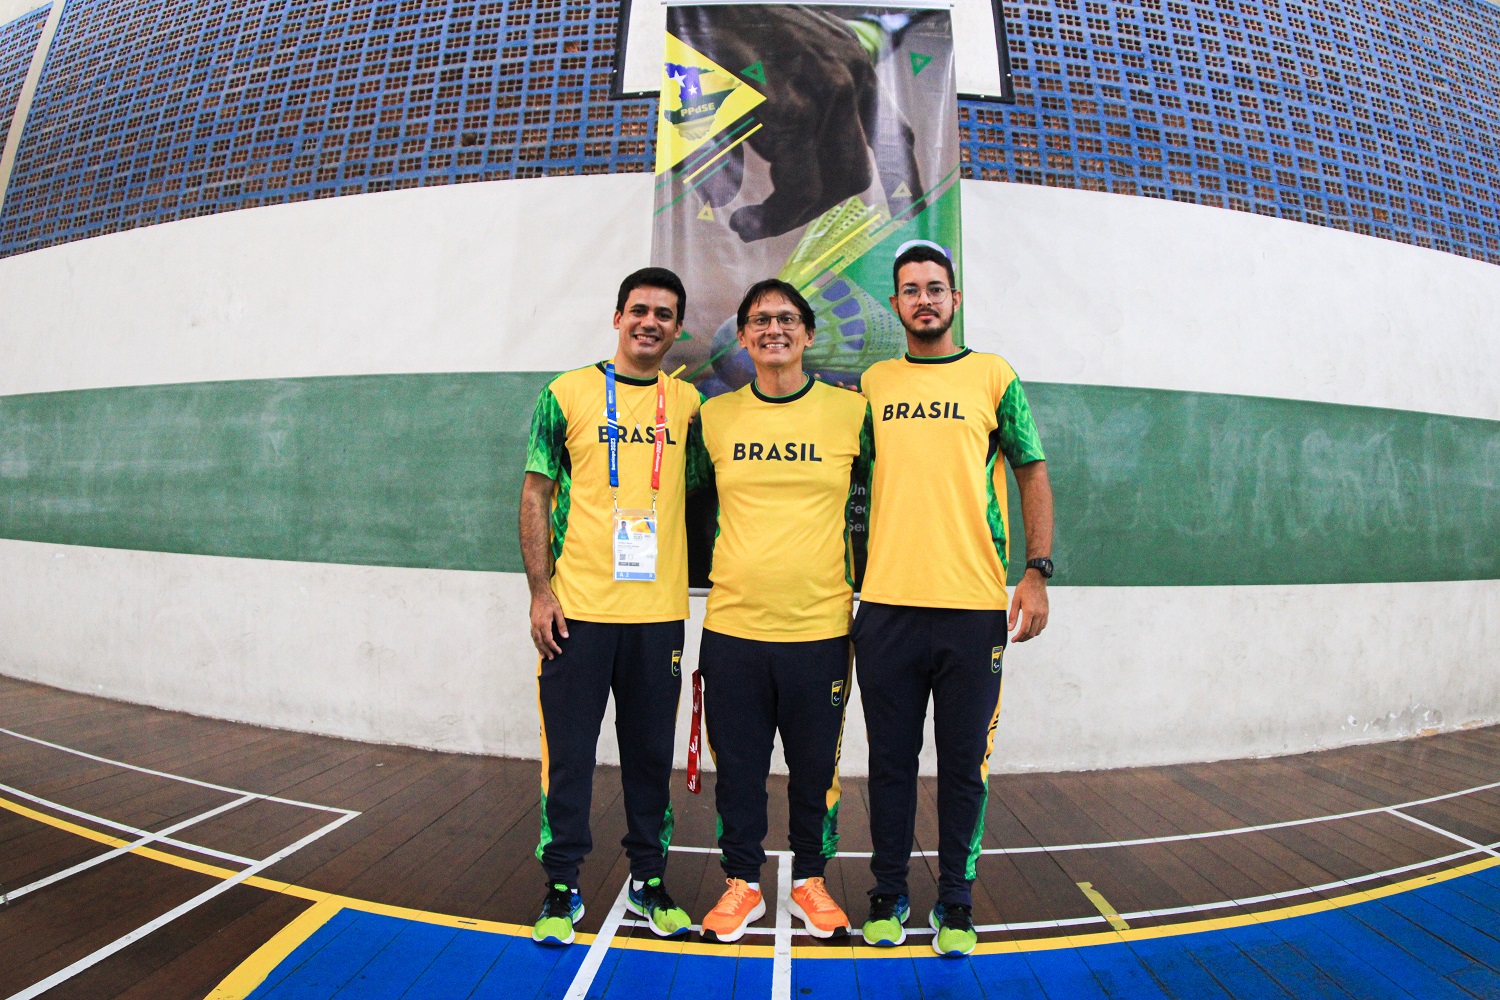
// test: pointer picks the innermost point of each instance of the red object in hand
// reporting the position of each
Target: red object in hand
(694, 780)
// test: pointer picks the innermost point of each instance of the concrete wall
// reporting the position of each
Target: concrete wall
(1072, 287)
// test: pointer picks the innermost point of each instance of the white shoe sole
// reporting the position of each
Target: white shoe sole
(739, 932)
(814, 930)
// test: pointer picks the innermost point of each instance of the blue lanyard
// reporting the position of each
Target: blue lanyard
(611, 417)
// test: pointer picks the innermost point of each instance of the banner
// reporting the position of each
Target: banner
(806, 143)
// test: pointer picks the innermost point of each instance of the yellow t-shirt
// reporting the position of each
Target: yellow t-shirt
(785, 468)
(937, 498)
(570, 444)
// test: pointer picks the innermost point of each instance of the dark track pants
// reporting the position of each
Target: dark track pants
(902, 656)
(751, 689)
(642, 665)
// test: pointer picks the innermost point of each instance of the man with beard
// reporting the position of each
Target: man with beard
(932, 620)
(605, 550)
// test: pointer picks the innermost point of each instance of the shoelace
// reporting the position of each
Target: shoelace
(739, 890)
(559, 902)
(817, 895)
(883, 907)
(958, 918)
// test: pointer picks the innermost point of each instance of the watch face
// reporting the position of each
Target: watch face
(1042, 566)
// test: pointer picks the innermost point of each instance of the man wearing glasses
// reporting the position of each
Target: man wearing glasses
(932, 619)
(787, 453)
(605, 548)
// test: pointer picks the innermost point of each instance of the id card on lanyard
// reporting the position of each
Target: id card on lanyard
(634, 531)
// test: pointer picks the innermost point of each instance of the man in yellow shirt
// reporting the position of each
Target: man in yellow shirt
(932, 618)
(605, 548)
(787, 453)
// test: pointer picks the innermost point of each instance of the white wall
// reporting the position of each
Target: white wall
(520, 275)
(439, 658)
(12, 9)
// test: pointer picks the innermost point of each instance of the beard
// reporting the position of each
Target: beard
(930, 334)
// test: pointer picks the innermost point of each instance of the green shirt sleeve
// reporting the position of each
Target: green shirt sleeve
(857, 511)
(700, 468)
(547, 447)
(1019, 439)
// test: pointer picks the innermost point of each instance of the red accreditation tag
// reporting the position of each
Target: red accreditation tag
(694, 781)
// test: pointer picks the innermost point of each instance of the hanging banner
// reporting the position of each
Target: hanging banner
(806, 143)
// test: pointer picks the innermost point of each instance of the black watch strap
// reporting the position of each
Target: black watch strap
(1042, 566)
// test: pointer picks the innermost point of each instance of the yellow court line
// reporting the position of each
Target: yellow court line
(709, 162)
(766, 951)
(1101, 904)
(253, 971)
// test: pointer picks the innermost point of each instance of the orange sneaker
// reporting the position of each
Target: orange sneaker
(817, 910)
(738, 908)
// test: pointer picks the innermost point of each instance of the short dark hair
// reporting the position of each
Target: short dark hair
(652, 277)
(761, 289)
(919, 254)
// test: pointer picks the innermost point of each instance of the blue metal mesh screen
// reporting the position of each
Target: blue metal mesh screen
(1376, 117)
(17, 44)
(152, 113)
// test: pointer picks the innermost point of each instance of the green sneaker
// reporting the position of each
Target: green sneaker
(665, 917)
(955, 930)
(883, 927)
(560, 910)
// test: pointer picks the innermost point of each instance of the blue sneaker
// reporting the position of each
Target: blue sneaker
(883, 927)
(562, 908)
(954, 924)
(665, 918)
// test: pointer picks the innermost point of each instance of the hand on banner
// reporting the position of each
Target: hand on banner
(824, 114)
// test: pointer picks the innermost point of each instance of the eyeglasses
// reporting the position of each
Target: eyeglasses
(763, 321)
(934, 291)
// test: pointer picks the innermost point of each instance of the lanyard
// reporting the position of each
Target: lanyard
(611, 415)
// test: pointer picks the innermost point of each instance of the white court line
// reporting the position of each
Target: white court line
(149, 838)
(176, 777)
(126, 828)
(584, 977)
(1446, 833)
(1173, 838)
(781, 959)
(224, 886)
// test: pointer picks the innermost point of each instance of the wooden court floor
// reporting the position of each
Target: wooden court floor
(149, 854)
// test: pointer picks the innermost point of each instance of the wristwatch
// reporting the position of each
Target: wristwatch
(1042, 566)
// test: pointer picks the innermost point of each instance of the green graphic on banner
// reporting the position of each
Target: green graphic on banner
(846, 148)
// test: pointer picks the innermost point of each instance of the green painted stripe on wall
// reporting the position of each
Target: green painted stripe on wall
(1153, 487)
(1163, 488)
(388, 470)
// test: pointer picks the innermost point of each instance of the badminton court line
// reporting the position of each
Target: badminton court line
(1446, 833)
(584, 977)
(133, 830)
(174, 777)
(119, 944)
(149, 838)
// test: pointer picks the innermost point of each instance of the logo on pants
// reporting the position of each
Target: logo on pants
(995, 656)
(836, 696)
(676, 663)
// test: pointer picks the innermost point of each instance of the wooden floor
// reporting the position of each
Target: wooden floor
(1137, 882)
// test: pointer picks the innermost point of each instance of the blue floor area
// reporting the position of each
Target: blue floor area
(1439, 941)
